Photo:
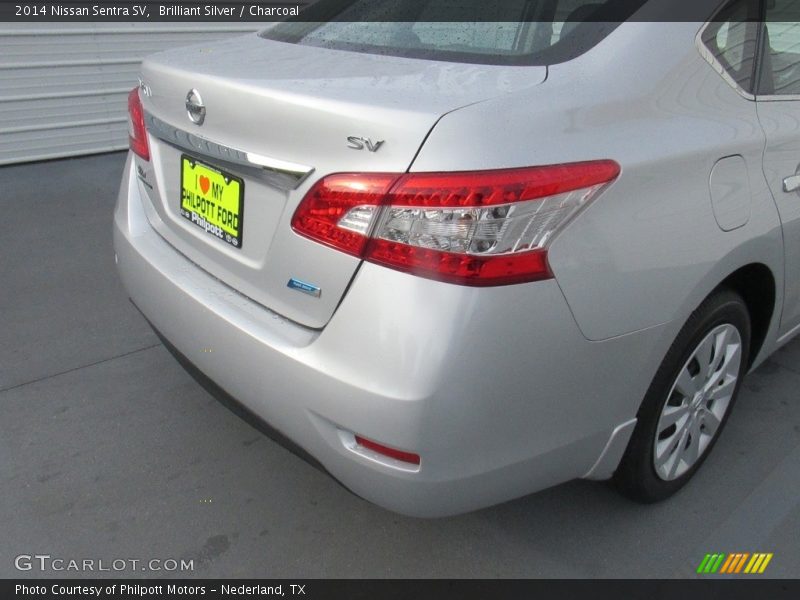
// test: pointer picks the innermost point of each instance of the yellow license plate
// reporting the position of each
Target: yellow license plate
(213, 200)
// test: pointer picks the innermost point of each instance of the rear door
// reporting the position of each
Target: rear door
(778, 101)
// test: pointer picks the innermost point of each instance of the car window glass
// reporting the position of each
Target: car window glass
(475, 37)
(780, 71)
(509, 32)
(732, 37)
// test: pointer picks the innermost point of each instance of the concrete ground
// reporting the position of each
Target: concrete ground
(109, 450)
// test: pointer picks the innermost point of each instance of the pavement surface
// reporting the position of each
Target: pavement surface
(109, 450)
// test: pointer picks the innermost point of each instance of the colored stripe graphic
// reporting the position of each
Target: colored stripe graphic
(703, 563)
(740, 564)
(754, 563)
(764, 564)
(710, 563)
(735, 563)
(717, 563)
(728, 562)
(732, 565)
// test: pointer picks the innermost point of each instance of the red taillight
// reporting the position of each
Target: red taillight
(485, 188)
(137, 134)
(331, 199)
(462, 269)
(401, 455)
(477, 228)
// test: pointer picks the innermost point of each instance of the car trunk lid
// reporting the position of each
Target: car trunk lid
(277, 117)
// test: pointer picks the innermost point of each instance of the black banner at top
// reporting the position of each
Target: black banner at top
(28, 11)
(149, 11)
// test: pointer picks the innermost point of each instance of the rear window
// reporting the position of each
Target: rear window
(525, 32)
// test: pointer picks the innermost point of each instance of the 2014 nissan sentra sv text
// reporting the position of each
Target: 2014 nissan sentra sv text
(459, 262)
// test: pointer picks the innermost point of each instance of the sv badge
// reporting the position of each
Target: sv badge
(359, 143)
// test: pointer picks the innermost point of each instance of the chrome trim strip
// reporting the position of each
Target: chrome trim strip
(778, 97)
(281, 173)
(787, 336)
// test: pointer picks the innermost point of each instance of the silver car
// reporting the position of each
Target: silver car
(456, 262)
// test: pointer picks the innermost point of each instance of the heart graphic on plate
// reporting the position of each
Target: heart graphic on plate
(205, 183)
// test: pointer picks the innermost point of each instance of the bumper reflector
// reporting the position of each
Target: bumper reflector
(407, 457)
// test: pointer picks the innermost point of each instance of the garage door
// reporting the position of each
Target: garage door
(63, 87)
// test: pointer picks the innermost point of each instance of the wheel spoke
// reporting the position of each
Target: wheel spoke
(733, 360)
(728, 368)
(663, 452)
(679, 450)
(671, 416)
(703, 357)
(686, 385)
(720, 348)
(722, 389)
(668, 447)
(711, 422)
(692, 453)
(714, 380)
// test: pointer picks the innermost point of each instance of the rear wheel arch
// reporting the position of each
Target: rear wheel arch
(755, 283)
(636, 475)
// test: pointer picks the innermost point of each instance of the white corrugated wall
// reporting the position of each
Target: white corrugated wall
(63, 87)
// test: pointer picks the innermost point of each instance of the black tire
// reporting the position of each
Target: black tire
(636, 476)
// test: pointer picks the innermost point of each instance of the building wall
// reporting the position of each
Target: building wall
(64, 86)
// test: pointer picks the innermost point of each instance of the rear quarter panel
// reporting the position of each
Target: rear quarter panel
(648, 250)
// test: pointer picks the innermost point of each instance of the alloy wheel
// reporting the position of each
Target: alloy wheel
(697, 402)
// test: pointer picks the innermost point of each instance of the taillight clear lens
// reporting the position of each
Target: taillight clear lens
(478, 228)
(137, 134)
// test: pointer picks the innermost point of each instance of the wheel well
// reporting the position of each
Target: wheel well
(756, 285)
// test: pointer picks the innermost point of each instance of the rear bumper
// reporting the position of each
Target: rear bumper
(496, 389)
(235, 406)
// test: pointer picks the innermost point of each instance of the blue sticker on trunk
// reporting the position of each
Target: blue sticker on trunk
(306, 288)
